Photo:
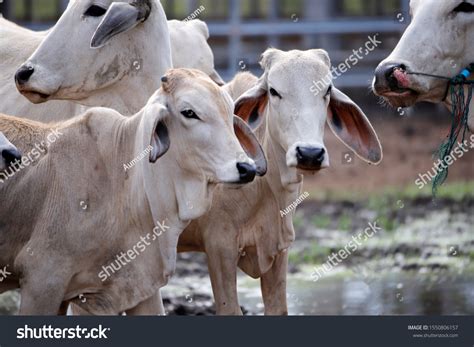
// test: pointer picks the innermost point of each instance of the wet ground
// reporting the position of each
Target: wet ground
(421, 262)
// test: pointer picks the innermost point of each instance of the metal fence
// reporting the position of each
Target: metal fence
(242, 29)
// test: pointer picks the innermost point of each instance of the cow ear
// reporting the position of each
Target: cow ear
(350, 125)
(120, 17)
(160, 140)
(250, 107)
(250, 144)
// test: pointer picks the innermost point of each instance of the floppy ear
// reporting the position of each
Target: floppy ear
(250, 144)
(120, 17)
(251, 105)
(350, 125)
(160, 140)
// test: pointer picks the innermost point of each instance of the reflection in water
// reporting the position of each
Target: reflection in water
(395, 294)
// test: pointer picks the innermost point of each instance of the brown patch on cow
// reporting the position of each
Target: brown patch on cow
(108, 72)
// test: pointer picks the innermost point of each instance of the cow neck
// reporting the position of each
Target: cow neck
(284, 182)
(132, 92)
(129, 95)
(164, 193)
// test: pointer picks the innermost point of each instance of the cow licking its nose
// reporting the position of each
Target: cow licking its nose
(23, 74)
(310, 158)
(10, 156)
(386, 78)
(247, 172)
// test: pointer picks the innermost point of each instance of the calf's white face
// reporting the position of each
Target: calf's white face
(439, 41)
(8, 153)
(204, 133)
(297, 96)
(94, 45)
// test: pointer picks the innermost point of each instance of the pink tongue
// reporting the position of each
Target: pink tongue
(402, 78)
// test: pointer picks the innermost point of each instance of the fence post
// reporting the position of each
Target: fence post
(235, 36)
(272, 16)
(316, 11)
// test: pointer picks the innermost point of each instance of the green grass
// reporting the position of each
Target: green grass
(345, 222)
(386, 202)
(298, 221)
(321, 221)
(316, 254)
(454, 191)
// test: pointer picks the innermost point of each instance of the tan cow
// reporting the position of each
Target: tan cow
(8, 154)
(95, 229)
(249, 228)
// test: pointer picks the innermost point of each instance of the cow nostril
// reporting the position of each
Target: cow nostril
(23, 74)
(320, 155)
(310, 152)
(310, 156)
(10, 156)
(384, 75)
(247, 172)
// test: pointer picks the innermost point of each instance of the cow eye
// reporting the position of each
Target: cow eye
(273, 92)
(328, 93)
(464, 7)
(95, 11)
(190, 114)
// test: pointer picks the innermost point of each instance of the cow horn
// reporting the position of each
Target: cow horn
(144, 9)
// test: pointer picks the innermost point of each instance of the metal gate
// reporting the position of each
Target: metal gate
(242, 29)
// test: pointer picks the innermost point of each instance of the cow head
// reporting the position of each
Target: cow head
(297, 97)
(439, 41)
(95, 45)
(198, 125)
(8, 153)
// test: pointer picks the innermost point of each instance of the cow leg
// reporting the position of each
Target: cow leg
(63, 310)
(42, 294)
(150, 307)
(222, 263)
(273, 284)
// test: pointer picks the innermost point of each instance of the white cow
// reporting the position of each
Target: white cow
(195, 54)
(8, 153)
(103, 233)
(130, 51)
(251, 228)
(439, 41)
(190, 49)
(16, 45)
